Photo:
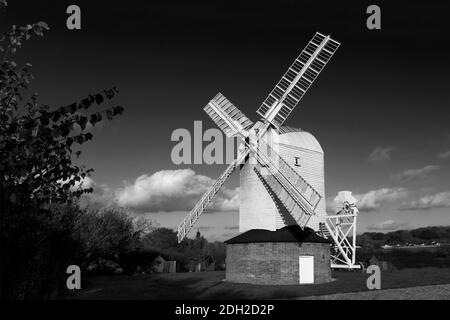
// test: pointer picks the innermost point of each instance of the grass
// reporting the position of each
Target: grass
(211, 285)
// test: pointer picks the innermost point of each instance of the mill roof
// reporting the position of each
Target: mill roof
(300, 138)
(287, 234)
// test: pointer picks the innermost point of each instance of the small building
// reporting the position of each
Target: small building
(160, 265)
(170, 267)
(288, 255)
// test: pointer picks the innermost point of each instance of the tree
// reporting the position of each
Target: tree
(37, 149)
(106, 232)
(37, 141)
(428, 234)
(161, 239)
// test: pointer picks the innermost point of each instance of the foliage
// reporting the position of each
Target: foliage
(161, 239)
(37, 175)
(415, 236)
(105, 232)
(188, 252)
(37, 141)
(41, 244)
(36, 248)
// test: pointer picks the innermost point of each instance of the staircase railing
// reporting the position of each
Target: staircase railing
(281, 173)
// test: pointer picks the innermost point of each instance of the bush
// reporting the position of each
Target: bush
(37, 246)
(104, 233)
(35, 252)
(133, 260)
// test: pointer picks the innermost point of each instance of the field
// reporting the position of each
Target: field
(211, 285)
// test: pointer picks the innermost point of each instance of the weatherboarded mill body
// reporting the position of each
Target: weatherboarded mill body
(303, 153)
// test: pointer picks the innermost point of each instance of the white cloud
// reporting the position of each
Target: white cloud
(330, 205)
(230, 201)
(102, 196)
(438, 200)
(444, 155)
(388, 225)
(173, 190)
(372, 200)
(416, 174)
(380, 155)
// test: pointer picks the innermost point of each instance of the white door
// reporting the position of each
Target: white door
(306, 269)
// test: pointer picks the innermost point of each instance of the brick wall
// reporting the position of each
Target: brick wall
(275, 262)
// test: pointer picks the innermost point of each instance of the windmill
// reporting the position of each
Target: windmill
(290, 198)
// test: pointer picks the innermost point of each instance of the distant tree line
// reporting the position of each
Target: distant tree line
(371, 242)
(425, 235)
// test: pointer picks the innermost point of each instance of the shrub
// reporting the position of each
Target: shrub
(35, 252)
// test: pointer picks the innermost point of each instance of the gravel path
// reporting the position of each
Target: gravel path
(435, 292)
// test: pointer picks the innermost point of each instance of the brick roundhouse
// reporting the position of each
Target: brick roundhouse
(273, 257)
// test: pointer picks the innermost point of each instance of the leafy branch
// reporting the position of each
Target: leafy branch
(36, 140)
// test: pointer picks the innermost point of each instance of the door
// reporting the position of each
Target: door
(306, 269)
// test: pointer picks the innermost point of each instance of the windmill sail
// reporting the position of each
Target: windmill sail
(190, 220)
(284, 202)
(229, 118)
(297, 79)
(285, 183)
(282, 171)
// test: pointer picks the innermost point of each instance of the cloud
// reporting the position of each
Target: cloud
(330, 205)
(372, 200)
(173, 190)
(388, 225)
(416, 174)
(380, 155)
(438, 200)
(230, 201)
(444, 155)
(102, 196)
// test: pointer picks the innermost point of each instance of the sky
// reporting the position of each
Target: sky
(380, 109)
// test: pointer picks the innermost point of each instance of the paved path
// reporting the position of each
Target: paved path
(435, 292)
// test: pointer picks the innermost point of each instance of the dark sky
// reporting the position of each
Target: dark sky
(383, 88)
